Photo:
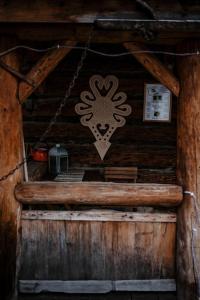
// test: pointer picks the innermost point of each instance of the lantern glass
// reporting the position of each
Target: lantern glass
(58, 160)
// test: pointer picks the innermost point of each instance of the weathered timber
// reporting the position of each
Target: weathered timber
(10, 156)
(99, 193)
(177, 25)
(96, 286)
(133, 133)
(45, 107)
(155, 67)
(143, 156)
(36, 170)
(188, 174)
(167, 175)
(108, 296)
(98, 215)
(97, 250)
(42, 69)
(15, 73)
(84, 12)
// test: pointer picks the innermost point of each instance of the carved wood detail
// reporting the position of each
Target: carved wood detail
(103, 110)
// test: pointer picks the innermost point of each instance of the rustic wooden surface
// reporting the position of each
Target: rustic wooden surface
(84, 250)
(10, 156)
(155, 67)
(148, 146)
(99, 193)
(109, 296)
(42, 69)
(188, 174)
(98, 215)
(96, 286)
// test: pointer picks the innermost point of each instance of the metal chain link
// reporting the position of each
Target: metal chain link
(62, 104)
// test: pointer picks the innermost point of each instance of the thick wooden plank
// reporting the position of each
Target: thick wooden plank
(10, 156)
(42, 69)
(155, 67)
(109, 296)
(94, 250)
(108, 193)
(95, 286)
(159, 285)
(188, 175)
(98, 215)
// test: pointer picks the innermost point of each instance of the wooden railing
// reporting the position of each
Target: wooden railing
(98, 193)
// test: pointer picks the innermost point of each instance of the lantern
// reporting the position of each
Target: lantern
(58, 160)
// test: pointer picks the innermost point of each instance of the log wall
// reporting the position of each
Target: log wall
(149, 146)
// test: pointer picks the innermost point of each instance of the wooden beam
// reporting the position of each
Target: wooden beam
(10, 156)
(96, 286)
(100, 215)
(99, 193)
(42, 69)
(155, 67)
(188, 174)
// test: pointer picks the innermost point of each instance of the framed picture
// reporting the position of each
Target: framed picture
(157, 103)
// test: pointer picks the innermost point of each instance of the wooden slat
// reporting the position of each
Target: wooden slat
(41, 70)
(98, 215)
(155, 67)
(109, 296)
(99, 193)
(94, 250)
(96, 286)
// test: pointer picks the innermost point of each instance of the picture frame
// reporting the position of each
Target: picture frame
(157, 103)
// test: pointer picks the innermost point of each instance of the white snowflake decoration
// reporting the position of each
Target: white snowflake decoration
(102, 110)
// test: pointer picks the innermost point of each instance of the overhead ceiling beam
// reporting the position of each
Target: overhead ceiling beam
(155, 67)
(42, 69)
(190, 23)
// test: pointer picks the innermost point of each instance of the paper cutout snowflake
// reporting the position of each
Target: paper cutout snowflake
(102, 110)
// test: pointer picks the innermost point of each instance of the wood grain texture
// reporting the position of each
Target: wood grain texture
(155, 67)
(98, 215)
(150, 147)
(108, 296)
(42, 69)
(99, 193)
(10, 156)
(84, 250)
(188, 174)
(96, 286)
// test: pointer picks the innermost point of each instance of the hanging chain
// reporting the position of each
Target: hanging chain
(69, 89)
(59, 110)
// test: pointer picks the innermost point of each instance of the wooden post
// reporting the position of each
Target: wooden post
(10, 156)
(188, 174)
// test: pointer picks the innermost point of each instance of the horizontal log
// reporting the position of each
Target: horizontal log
(96, 286)
(100, 215)
(177, 25)
(139, 133)
(98, 193)
(74, 32)
(45, 107)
